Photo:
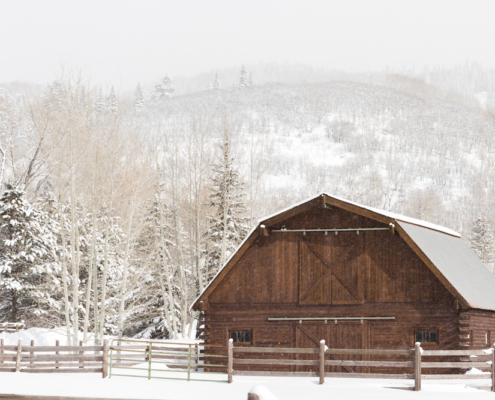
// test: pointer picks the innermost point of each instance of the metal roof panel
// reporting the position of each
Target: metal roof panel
(457, 263)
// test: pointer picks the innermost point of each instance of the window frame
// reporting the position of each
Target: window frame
(427, 344)
(241, 344)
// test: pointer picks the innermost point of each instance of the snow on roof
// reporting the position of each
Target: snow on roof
(388, 214)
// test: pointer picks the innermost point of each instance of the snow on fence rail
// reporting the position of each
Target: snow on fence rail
(40, 359)
(172, 357)
(485, 360)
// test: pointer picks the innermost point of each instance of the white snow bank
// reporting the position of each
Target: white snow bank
(262, 392)
(41, 336)
(284, 388)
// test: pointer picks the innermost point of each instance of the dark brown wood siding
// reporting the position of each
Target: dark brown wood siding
(372, 267)
(294, 275)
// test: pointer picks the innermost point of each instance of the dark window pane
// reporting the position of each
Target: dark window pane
(426, 336)
(247, 337)
(233, 336)
(240, 335)
(419, 337)
(433, 337)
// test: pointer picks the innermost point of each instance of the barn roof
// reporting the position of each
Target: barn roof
(440, 248)
(457, 263)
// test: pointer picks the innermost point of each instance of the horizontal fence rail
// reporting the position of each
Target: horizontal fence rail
(54, 359)
(199, 361)
(168, 360)
(11, 327)
(414, 362)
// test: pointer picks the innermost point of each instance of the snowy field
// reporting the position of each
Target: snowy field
(92, 385)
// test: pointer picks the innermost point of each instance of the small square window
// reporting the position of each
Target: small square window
(241, 337)
(426, 337)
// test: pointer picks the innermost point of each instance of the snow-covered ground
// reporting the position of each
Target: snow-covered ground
(92, 385)
(283, 388)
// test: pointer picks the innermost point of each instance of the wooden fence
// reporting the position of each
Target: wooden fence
(54, 359)
(182, 361)
(11, 327)
(240, 361)
(485, 360)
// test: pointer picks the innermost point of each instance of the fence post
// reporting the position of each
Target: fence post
(230, 363)
(322, 362)
(104, 369)
(149, 362)
(189, 364)
(197, 357)
(493, 368)
(81, 353)
(31, 364)
(417, 366)
(1, 351)
(57, 343)
(19, 356)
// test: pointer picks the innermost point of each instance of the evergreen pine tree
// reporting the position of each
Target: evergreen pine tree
(100, 102)
(138, 103)
(216, 83)
(168, 86)
(27, 258)
(226, 224)
(250, 81)
(112, 103)
(243, 81)
(163, 89)
(482, 241)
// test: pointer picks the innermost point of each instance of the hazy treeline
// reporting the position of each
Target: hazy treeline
(129, 187)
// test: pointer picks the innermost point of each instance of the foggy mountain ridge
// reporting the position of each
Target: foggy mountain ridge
(385, 147)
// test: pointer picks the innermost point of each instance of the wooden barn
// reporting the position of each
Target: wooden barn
(354, 276)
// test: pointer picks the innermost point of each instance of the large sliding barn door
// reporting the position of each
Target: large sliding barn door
(329, 271)
(347, 335)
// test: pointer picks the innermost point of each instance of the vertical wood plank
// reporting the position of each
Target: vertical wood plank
(106, 348)
(81, 363)
(322, 362)
(230, 364)
(19, 356)
(417, 367)
(32, 354)
(1, 351)
(197, 358)
(493, 368)
(57, 343)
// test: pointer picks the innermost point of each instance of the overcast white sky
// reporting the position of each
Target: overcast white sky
(123, 42)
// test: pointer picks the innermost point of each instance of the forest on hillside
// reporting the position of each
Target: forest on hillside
(117, 210)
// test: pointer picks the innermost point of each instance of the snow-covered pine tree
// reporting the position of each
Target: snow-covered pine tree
(27, 260)
(100, 102)
(168, 86)
(482, 242)
(112, 103)
(226, 224)
(163, 89)
(243, 80)
(154, 314)
(250, 80)
(138, 102)
(158, 92)
(216, 83)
